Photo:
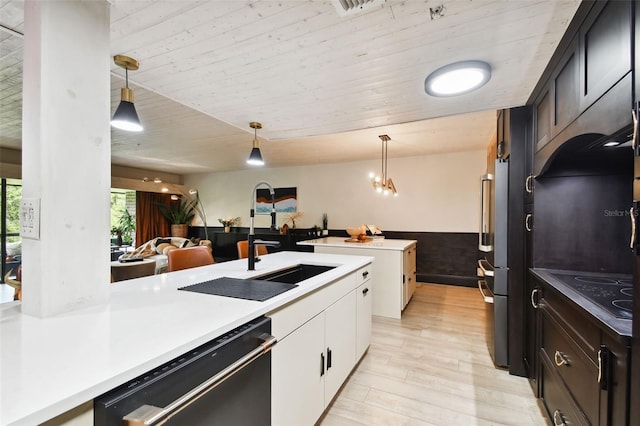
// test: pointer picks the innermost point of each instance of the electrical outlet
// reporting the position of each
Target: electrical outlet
(30, 218)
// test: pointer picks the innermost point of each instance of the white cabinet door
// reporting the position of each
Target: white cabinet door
(298, 376)
(340, 346)
(364, 304)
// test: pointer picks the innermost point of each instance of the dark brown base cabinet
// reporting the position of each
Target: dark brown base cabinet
(583, 372)
(582, 368)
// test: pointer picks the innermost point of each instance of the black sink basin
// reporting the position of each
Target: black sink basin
(295, 274)
(256, 288)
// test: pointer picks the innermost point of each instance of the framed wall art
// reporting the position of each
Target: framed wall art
(286, 200)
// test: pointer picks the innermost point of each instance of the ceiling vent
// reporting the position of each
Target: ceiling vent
(351, 7)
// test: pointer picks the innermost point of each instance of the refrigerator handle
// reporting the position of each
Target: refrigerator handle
(485, 268)
(481, 284)
(484, 242)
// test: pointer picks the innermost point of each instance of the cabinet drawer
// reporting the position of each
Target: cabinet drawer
(364, 274)
(577, 325)
(558, 403)
(572, 365)
(291, 316)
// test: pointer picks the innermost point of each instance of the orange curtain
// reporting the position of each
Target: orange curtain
(150, 223)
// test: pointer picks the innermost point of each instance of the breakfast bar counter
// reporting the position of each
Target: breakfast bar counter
(52, 365)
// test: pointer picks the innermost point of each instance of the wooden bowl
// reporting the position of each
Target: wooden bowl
(355, 232)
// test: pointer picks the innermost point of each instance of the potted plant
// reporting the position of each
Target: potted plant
(229, 222)
(292, 217)
(180, 215)
(117, 232)
(123, 229)
(325, 224)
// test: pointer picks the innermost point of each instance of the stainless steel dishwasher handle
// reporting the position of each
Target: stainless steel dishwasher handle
(487, 299)
(151, 415)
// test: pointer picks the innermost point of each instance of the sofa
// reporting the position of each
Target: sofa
(157, 249)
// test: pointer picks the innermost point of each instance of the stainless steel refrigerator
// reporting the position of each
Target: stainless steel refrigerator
(493, 269)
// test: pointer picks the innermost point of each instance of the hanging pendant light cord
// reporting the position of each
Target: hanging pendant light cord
(386, 162)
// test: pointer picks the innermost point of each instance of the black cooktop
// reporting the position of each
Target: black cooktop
(612, 294)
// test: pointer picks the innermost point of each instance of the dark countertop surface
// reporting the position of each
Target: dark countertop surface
(616, 326)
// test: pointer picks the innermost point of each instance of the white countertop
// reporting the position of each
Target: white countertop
(49, 366)
(375, 243)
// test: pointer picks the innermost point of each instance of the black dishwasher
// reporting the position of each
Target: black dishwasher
(226, 381)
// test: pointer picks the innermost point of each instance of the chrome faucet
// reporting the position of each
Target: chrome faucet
(251, 255)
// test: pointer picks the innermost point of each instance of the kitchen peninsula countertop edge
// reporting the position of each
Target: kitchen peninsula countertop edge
(52, 365)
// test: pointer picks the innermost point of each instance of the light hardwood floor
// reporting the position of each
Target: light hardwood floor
(432, 367)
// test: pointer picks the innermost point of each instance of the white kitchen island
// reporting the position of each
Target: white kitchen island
(395, 268)
(53, 365)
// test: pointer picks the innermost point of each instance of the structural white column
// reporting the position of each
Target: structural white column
(66, 150)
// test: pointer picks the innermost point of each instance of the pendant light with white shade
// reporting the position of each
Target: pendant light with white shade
(255, 158)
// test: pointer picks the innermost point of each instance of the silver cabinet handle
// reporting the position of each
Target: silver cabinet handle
(632, 215)
(151, 415)
(634, 140)
(527, 222)
(558, 419)
(603, 362)
(534, 303)
(560, 359)
(599, 365)
(481, 284)
(528, 184)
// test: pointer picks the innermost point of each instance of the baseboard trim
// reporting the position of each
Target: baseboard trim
(458, 280)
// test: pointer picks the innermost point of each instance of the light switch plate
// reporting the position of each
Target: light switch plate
(30, 218)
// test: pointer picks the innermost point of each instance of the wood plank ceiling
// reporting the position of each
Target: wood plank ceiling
(323, 85)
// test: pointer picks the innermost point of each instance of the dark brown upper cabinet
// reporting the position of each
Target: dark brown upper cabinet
(565, 83)
(559, 103)
(542, 111)
(605, 45)
(587, 88)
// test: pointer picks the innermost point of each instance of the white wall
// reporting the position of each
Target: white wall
(437, 193)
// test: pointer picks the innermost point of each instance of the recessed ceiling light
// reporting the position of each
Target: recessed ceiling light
(457, 78)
